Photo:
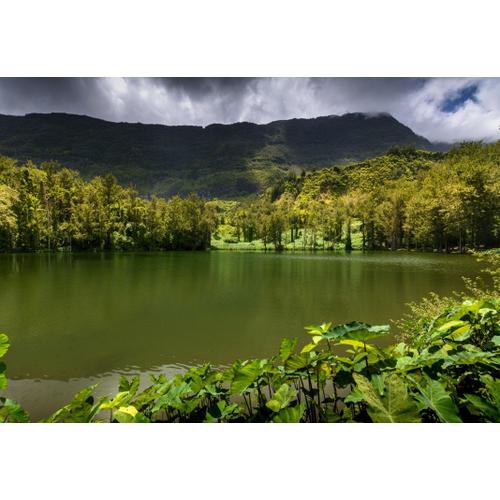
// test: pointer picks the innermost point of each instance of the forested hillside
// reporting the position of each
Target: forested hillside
(405, 199)
(213, 161)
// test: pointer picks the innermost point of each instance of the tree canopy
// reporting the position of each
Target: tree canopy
(52, 207)
(405, 199)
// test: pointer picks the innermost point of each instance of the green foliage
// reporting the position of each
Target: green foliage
(12, 412)
(52, 208)
(4, 344)
(477, 290)
(353, 333)
(81, 409)
(434, 396)
(218, 160)
(287, 348)
(407, 199)
(290, 415)
(489, 404)
(394, 405)
(4, 347)
(448, 374)
(222, 412)
(281, 398)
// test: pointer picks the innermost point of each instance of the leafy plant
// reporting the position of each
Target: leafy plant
(393, 405)
(4, 347)
(10, 411)
(434, 396)
(448, 374)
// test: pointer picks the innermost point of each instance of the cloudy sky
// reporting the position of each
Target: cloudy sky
(441, 109)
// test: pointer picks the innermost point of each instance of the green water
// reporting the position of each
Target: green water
(84, 318)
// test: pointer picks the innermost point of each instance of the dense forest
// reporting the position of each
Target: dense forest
(51, 208)
(405, 199)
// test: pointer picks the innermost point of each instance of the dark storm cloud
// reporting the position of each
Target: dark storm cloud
(201, 86)
(421, 103)
(25, 95)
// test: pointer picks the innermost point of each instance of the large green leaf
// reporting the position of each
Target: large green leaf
(493, 388)
(319, 333)
(121, 399)
(173, 397)
(125, 414)
(434, 396)
(290, 415)
(12, 412)
(287, 347)
(356, 330)
(394, 406)
(356, 343)
(354, 396)
(3, 377)
(405, 363)
(151, 393)
(489, 408)
(246, 375)
(281, 398)
(378, 381)
(367, 332)
(451, 325)
(298, 362)
(318, 329)
(222, 412)
(4, 344)
(460, 334)
(81, 409)
(130, 386)
(309, 347)
(467, 358)
(483, 407)
(129, 415)
(127, 389)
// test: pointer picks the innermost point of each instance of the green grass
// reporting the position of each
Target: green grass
(226, 239)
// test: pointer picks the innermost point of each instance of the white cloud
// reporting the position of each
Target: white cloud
(417, 102)
(475, 119)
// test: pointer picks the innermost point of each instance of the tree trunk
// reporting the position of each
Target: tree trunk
(348, 242)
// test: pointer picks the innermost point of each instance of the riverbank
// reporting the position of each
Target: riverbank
(447, 372)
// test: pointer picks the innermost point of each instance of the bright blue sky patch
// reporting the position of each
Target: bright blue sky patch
(451, 104)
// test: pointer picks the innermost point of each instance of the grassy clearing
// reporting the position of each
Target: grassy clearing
(226, 239)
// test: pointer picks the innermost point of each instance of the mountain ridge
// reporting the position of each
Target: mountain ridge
(216, 160)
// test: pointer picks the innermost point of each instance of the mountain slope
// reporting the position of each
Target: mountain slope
(217, 160)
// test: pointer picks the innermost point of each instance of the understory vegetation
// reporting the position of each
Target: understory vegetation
(447, 369)
(405, 199)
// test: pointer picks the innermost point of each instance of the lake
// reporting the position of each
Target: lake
(77, 319)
